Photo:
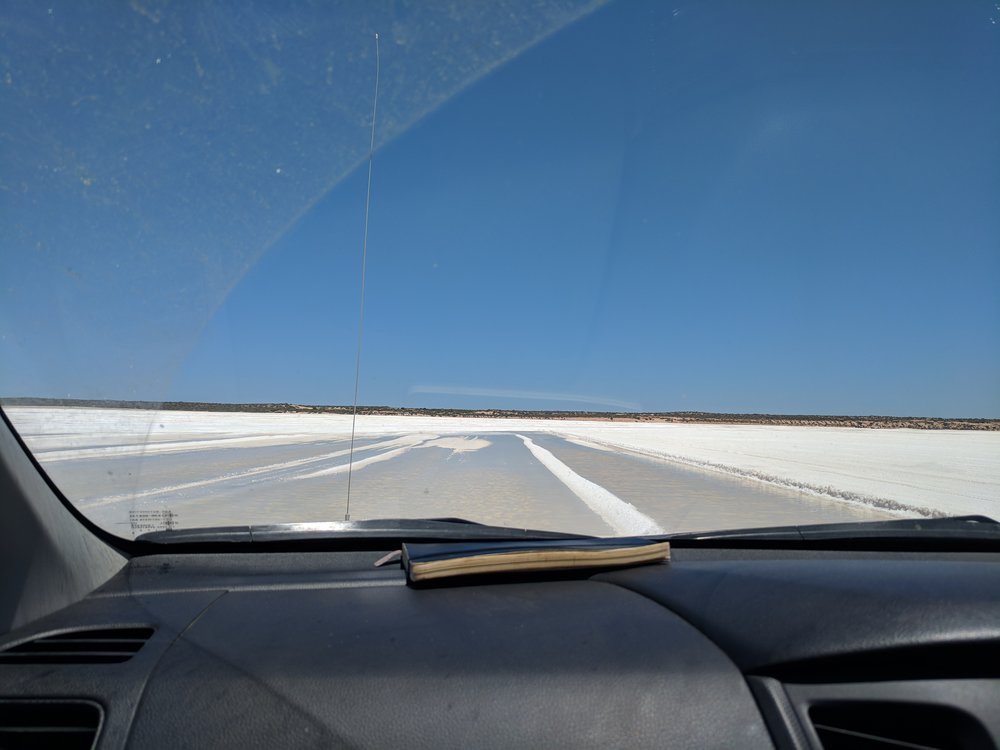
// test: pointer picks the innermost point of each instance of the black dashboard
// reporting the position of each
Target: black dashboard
(718, 648)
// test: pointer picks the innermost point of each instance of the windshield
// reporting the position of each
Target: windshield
(602, 268)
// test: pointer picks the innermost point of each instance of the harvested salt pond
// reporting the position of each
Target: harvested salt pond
(236, 468)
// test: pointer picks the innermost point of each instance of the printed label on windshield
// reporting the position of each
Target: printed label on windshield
(144, 521)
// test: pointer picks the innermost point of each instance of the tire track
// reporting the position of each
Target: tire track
(397, 446)
(621, 516)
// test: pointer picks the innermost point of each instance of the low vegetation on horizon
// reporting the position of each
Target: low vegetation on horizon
(696, 417)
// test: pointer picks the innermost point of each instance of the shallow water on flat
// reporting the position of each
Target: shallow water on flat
(492, 478)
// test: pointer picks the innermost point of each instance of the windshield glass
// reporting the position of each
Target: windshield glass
(607, 250)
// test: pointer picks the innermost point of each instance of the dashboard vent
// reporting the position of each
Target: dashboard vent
(58, 725)
(877, 725)
(104, 646)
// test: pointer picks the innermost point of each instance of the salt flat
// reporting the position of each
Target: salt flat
(245, 467)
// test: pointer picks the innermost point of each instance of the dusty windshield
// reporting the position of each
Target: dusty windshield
(629, 267)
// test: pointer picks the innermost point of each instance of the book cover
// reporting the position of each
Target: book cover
(429, 561)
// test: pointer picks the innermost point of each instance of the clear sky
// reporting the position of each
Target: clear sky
(700, 206)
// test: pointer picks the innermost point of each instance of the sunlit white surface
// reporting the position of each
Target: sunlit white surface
(902, 471)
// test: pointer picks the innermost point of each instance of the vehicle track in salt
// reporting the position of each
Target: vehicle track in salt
(534, 479)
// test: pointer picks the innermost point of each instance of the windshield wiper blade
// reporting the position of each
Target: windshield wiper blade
(388, 529)
(963, 529)
(951, 528)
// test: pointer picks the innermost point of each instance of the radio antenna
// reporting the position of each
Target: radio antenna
(361, 312)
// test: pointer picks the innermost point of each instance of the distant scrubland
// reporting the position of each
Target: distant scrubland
(677, 417)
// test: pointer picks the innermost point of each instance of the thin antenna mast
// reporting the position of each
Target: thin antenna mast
(361, 312)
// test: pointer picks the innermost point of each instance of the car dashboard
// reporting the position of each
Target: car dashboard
(716, 648)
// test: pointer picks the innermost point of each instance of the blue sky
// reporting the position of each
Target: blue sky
(791, 209)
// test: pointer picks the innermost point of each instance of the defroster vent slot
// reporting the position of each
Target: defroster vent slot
(54, 725)
(881, 725)
(96, 646)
